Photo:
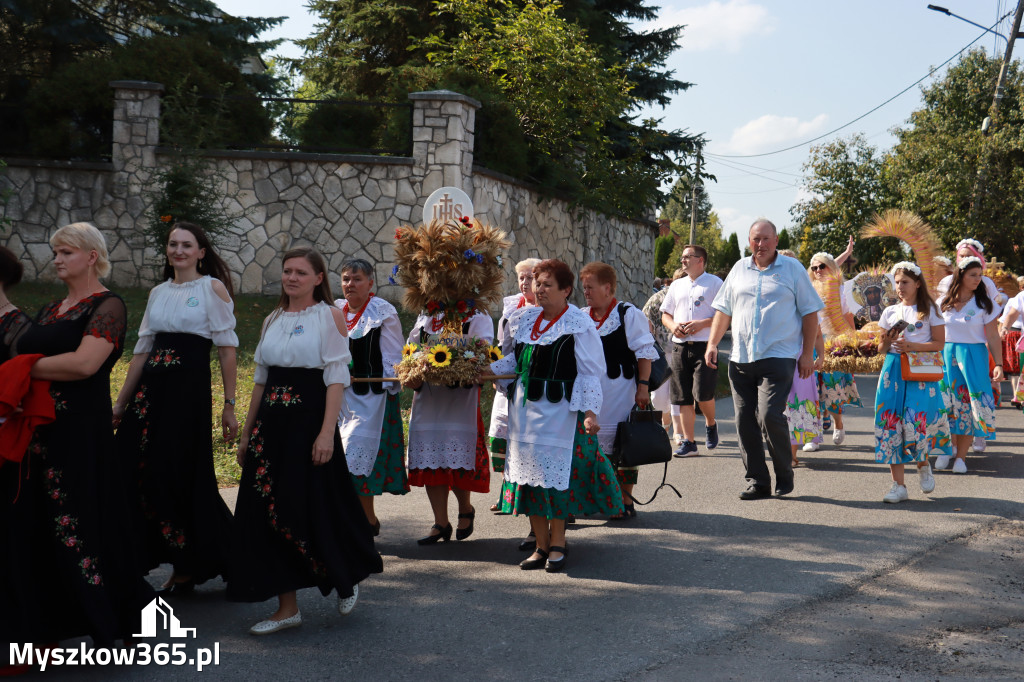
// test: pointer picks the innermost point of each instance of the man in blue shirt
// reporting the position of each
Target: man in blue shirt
(773, 308)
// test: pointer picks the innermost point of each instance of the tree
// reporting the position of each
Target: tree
(677, 207)
(663, 247)
(709, 235)
(732, 250)
(583, 58)
(843, 183)
(935, 165)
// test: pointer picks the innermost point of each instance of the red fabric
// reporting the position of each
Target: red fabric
(1011, 359)
(19, 389)
(478, 480)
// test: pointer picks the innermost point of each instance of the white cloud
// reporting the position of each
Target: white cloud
(770, 132)
(734, 220)
(716, 25)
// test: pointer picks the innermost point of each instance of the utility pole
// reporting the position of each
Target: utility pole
(993, 114)
(694, 188)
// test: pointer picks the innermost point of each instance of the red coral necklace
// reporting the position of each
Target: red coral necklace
(611, 306)
(537, 332)
(350, 324)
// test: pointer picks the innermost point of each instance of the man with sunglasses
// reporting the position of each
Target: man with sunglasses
(772, 306)
(687, 313)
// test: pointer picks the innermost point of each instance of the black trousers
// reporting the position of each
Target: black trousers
(759, 393)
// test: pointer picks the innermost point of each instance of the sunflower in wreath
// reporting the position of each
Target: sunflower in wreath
(440, 355)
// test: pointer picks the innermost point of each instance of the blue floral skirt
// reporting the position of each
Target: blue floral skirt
(910, 417)
(972, 411)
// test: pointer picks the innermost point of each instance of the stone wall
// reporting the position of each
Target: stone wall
(344, 205)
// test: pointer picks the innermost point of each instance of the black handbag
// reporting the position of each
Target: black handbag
(660, 371)
(641, 439)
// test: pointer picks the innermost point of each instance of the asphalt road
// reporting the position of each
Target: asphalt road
(828, 582)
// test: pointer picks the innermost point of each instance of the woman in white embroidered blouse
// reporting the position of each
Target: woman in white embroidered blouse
(628, 351)
(447, 447)
(554, 466)
(163, 411)
(298, 520)
(371, 418)
(499, 408)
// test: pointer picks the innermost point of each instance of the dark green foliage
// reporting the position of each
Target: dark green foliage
(732, 251)
(662, 249)
(784, 240)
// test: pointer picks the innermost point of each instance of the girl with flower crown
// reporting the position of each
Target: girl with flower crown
(371, 420)
(910, 416)
(971, 335)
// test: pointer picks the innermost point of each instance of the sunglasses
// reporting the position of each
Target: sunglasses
(815, 268)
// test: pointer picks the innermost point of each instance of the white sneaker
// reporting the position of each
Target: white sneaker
(926, 479)
(979, 444)
(267, 627)
(838, 436)
(345, 605)
(897, 493)
(942, 462)
(959, 467)
(810, 447)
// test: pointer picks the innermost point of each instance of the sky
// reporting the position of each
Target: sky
(771, 75)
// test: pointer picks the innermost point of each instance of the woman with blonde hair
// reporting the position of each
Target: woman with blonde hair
(837, 389)
(68, 566)
(498, 432)
(298, 520)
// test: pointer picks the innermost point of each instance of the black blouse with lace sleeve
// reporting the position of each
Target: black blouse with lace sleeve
(12, 326)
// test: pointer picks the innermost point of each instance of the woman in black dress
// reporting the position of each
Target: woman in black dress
(298, 521)
(163, 412)
(68, 567)
(12, 320)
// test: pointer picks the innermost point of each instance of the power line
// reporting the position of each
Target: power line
(760, 175)
(865, 114)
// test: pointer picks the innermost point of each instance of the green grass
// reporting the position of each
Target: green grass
(249, 313)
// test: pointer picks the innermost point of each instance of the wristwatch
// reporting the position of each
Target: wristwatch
(229, 401)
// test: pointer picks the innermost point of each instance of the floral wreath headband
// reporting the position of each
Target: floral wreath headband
(908, 266)
(943, 260)
(967, 262)
(973, 243)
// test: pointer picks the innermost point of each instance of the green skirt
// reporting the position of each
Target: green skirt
(499, 447)
(388, 474)
(593, 487)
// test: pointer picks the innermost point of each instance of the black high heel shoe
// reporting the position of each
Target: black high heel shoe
(376, 528)
(529, 544)
(444, 534)
(534, 564)
(556, 565)
(463, 533)
(178, 589)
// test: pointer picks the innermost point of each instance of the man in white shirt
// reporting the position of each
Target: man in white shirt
(687, 313)
(773, 309)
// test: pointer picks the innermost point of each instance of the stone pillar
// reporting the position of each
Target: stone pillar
(443, 128)
(136, 136)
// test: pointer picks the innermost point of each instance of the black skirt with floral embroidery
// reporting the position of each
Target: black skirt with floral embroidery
(68, 563)
(296, 525)
(165, 434)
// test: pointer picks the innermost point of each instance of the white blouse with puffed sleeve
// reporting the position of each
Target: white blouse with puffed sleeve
(187, 308)
(309, 339)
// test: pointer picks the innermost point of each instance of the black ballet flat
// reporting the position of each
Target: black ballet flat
(444, 534)
(534, 564)
(178, 589)
(529, 544)
(463, 533)
(376, 528)
(556, 565)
